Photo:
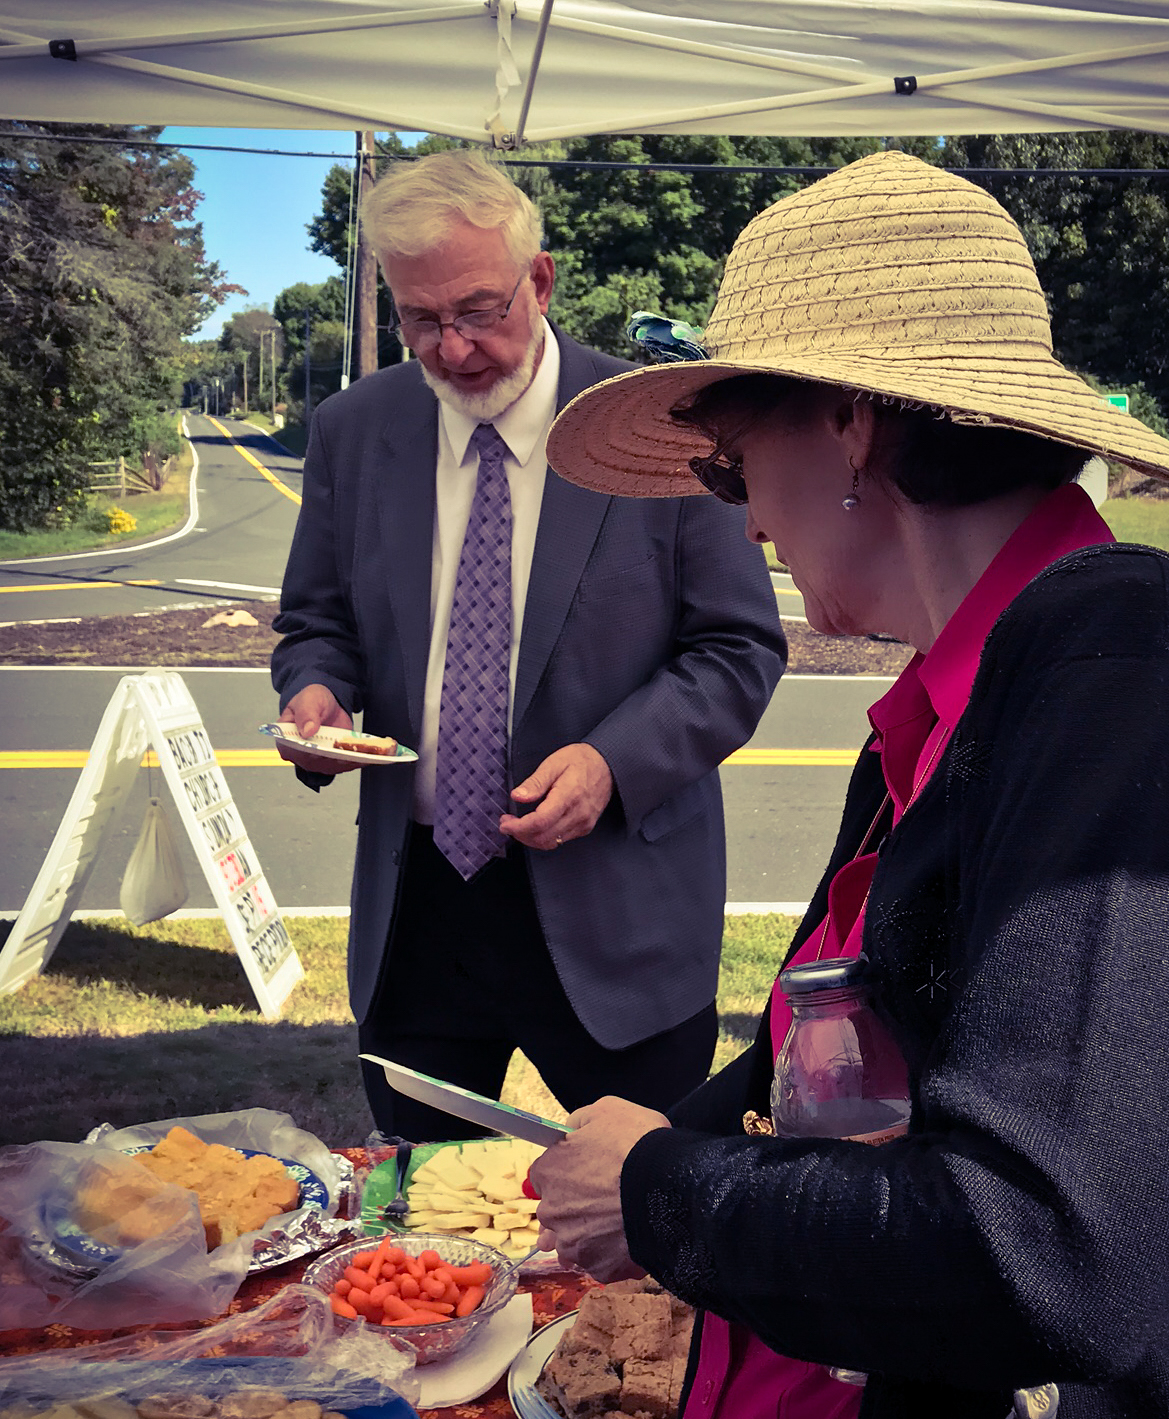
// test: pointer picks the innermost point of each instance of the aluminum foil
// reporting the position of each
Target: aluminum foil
(309, 1230)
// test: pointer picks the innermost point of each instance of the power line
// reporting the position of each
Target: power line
(755, 169)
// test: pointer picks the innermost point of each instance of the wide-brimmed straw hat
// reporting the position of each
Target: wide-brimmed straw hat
(889, 275)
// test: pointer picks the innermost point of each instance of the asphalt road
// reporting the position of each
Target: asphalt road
(782, 793)
(233, 549)
(782, 808)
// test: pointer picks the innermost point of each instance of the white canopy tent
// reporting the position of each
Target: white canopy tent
(545, 69)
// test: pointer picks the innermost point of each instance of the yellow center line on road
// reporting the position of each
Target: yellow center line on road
(256, 464)
(785, 591)
(74, 586)
(270, 759)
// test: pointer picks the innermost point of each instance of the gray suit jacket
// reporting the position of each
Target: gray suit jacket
(650, 632)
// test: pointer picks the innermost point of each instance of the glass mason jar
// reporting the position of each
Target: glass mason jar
(839, 1072)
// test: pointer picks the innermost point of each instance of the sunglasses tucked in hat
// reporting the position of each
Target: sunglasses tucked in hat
(889, 275)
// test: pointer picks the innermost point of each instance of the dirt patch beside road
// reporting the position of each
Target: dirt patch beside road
(177, 638)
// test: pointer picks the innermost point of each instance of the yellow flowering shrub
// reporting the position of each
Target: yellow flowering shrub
(120, 520)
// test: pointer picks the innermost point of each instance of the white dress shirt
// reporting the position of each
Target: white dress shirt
(524, 429)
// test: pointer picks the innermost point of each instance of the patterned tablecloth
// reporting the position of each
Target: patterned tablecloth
(553, 1294)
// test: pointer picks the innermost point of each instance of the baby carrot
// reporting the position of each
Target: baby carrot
(358, 1278)
(342, 1308)
(478, 1273)
(471, 1298)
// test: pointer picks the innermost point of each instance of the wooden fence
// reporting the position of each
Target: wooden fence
(117, 478)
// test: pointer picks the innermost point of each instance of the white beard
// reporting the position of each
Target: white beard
(502, 394)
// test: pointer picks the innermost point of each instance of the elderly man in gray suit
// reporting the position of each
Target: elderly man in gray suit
(550, 875)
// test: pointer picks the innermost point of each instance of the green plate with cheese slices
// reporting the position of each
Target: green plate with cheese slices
(382, 1185)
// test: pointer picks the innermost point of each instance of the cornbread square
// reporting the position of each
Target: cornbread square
(645, 1385)
(583, 1384)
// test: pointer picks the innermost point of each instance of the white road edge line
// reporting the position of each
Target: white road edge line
(229, 585)
(192, 498)
(206, 913)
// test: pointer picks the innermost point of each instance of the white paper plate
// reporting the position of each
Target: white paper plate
(472, 1371)
(526, 1399)
(333, 750)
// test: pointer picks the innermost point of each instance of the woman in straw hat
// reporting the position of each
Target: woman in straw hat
(881, 393)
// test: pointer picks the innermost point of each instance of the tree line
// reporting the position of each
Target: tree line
(644, 238)
(103, 272)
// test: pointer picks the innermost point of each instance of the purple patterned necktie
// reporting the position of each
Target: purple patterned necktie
(471, 762)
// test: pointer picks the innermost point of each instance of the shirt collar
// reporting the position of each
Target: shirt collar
(523, 424)
(1063, 522)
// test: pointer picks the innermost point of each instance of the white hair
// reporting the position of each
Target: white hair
(414, 207)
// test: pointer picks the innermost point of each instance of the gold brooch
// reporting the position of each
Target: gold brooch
(757, 1126)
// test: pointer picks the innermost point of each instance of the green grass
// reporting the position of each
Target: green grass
(153, 512)
(294, 438)
(1144, 520)
(128, 1025)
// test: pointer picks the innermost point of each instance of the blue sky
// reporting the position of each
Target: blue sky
(255, 209)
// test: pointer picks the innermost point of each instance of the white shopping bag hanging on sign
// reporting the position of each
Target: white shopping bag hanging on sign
(156, 711)
(154, 883)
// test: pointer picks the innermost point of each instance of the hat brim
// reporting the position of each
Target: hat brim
(618, 437)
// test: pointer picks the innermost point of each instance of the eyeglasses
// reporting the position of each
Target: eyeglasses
(721, 475)
(425, 333)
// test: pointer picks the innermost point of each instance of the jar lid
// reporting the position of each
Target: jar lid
(832, 974)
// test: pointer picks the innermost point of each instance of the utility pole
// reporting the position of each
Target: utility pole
(260, 378)
(365, 270)
(308, 370)
(245, 384)
(273, 369)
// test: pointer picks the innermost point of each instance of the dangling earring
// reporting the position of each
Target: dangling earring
(852, 502)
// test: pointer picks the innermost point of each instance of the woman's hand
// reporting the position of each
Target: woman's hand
(579, 1183)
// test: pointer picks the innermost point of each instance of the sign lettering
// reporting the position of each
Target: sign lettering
(191, 747)
(221, 827)
(237, 867)
(272, 947)
(205, 788)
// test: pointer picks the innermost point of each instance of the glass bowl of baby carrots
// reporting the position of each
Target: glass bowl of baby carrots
(431, 1289)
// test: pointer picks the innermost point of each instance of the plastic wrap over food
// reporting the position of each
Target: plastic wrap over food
(329, 1203)
(248, 1366)
(158, 1271)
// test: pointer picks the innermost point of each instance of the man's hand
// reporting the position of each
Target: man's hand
(575, 785)
(313, 707)
(579, 1183)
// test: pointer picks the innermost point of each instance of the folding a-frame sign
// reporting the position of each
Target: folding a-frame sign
(156, 711)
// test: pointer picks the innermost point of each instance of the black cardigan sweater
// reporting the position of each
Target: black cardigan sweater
(1019, 919)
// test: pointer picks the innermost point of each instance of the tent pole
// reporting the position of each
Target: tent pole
(545, 16)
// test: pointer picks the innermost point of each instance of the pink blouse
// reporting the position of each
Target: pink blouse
(738, 1377)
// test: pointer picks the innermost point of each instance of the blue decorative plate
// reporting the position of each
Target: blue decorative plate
(83, 1250)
